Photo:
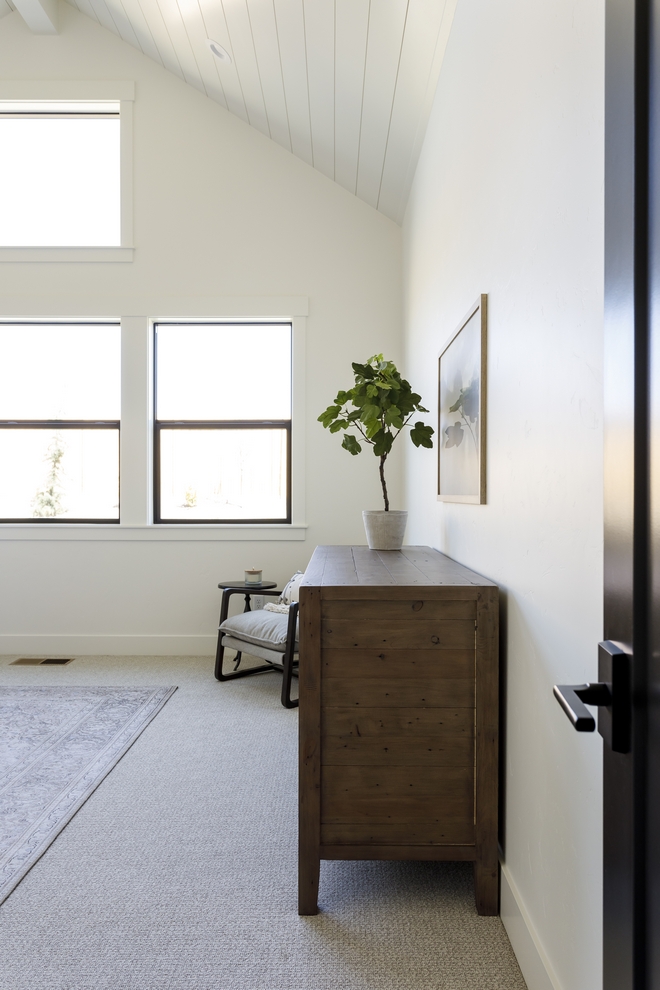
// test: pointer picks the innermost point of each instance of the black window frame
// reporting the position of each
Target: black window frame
(66, 424)
(217, 424)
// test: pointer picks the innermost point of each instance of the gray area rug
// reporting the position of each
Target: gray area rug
(56, 746)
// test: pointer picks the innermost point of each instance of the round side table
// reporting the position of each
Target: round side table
(249, 589)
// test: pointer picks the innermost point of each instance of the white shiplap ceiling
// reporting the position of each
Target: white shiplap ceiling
(346, 85)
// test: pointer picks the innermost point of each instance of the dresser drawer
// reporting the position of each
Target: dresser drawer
(397, 795)
(398, 737)
(408, 834)
(397, 692)
(375, 662)
(421, 634)
(409, 611)
(392, 751)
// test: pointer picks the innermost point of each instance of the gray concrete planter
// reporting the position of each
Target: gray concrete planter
(384, 529)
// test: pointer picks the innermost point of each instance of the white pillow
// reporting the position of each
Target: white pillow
(290, 593)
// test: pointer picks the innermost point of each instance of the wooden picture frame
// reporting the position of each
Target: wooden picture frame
(462, 382)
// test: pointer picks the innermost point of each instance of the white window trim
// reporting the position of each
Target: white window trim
(124, 92)
(136, 431)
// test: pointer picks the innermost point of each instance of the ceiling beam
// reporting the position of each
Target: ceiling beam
(39, 15)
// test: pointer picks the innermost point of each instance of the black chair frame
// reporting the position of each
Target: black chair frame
(288, 667)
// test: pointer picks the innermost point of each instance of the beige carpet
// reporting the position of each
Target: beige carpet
(179, 872)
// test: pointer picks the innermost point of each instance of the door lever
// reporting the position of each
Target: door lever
(611, 694)
(573, 697)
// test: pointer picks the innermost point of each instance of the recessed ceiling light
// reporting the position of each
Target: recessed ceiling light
(218, 50)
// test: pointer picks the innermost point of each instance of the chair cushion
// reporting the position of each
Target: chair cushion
(261, 628)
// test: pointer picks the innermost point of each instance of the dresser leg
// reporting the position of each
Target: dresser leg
(309, 867)
(487, 887)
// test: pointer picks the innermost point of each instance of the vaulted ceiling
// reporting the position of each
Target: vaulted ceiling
(346, 85)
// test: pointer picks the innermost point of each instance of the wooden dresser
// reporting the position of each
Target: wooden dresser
(398, 713)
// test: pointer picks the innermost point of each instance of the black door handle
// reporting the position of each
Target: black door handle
(611, 694)
(573, 697)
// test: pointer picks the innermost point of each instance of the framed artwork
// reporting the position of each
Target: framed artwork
(462, 410)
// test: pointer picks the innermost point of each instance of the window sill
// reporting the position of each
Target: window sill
(111, 533)
(66, 254)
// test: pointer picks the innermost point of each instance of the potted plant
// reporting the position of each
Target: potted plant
(383, 403)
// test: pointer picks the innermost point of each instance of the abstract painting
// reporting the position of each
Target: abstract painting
(462, 410)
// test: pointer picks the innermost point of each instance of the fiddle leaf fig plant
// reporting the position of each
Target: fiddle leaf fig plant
(383, 403)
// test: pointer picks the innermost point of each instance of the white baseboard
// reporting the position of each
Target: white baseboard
(535, 966)
(109, 645)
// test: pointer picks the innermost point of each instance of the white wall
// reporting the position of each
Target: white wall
(508, 200)
(220, 211)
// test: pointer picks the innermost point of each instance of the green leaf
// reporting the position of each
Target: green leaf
(393, 418)
(420, 434)
(339, 424)
(383, 441)
(350, 444)
(327, 417)
(363, 371)
(369, 413)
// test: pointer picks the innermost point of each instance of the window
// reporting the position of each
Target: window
(59, 422)
(222, 444)
(60, 174)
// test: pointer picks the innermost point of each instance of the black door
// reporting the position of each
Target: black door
(628, 691)
(626, 530)
(652, 687)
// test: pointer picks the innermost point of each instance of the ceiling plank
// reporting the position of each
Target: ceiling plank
(85, 7)
(161, 35)
(40, 15)
(143, 31)
(143, 34)
(242, 46)
(434, 75)
(215, 25)
(103, 15)
(291, 36)
(124, 26)
(351, 32)
(266, 46)
(386, 30)
(176, 28)
(423, 24)
(320, 53)
(155, 21)
(206, 63)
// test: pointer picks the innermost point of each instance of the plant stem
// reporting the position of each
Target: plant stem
(382, 481)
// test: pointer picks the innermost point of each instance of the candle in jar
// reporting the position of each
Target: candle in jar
(253, 576)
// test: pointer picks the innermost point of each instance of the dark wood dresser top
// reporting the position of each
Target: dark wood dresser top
(342, 566)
